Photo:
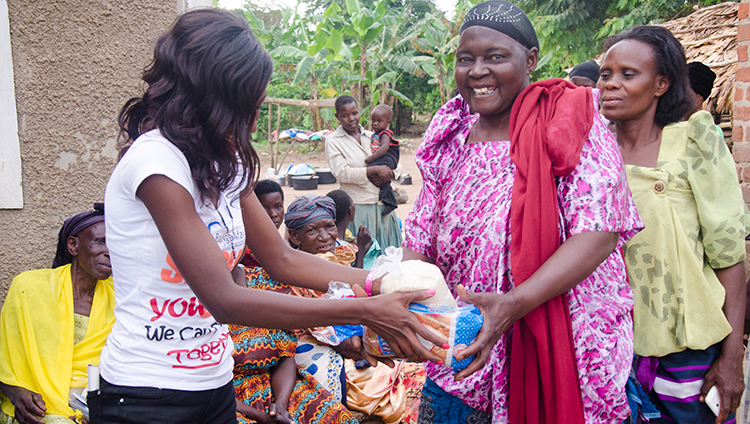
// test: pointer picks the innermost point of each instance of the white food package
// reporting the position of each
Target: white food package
(410, 276)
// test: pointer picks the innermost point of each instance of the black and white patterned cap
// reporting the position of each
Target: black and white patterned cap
(504, 17)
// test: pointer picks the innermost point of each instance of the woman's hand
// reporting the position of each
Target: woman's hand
(388, 316)
(726, 371)
(273, 416)
(379, 174)
(279, 414)
(352, 348)
(30, 407)
(499, 312)
(726, 374)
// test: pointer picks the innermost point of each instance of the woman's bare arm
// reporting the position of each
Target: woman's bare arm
(202, 264)
(573, 261)
(726, 371)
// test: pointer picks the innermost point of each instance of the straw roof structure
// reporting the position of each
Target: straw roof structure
(709, 35)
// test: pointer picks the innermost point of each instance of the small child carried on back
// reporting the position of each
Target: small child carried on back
(385, 152)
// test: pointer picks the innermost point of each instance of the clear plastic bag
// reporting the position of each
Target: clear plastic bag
(334, 335)
(457, 326)
(411, 276)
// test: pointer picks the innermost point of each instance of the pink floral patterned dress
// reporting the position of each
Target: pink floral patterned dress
(461, 219)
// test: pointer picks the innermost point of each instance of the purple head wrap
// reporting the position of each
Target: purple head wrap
(72, 226)
(306, 209)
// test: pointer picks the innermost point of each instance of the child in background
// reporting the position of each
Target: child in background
(386, 152)
(368, 248)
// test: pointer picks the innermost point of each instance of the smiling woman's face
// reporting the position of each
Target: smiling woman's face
(316, 237)
(630, 82)
(491, 70)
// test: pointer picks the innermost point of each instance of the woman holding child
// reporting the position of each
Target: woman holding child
(524, 208)
(346, 150)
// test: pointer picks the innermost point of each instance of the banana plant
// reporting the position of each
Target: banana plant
(364, 26)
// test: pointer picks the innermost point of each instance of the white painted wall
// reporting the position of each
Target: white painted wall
(11, 190)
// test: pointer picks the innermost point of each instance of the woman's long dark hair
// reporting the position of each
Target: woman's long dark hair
(205, 83)
(670, 62)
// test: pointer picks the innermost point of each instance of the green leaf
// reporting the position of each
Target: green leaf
(543, 61)
(388, 76)
(406, 64)
(373, 32)
(400, 96)
(303, 69)
(321, 40)
(333, 10)
(352, 7)
(337, 39)
(287, 51)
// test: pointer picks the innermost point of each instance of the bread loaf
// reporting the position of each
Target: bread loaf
(418, 275)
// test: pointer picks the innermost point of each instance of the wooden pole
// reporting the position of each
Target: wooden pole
(278, 131)
(270, 136)
(294, 140)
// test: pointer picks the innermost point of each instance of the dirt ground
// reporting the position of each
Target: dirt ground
(317, 159)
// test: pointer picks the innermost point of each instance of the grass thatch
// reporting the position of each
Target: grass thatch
(709, 35)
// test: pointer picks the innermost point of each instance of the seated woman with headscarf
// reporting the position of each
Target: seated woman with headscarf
(54, 323)
(311, 222)
(379, 390)
(267, 384)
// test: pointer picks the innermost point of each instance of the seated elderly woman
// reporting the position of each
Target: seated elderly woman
(311, 222)
(380, 390)
(268, 386)
(54, 323)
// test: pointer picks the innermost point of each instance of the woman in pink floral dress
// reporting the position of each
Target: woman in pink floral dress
(461, 221)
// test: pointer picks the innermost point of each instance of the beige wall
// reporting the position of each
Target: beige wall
(75, 63)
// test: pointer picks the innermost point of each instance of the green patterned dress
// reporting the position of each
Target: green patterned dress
(695, 222)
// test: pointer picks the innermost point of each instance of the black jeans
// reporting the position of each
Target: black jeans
(123, 404)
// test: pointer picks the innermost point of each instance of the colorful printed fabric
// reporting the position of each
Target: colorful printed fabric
(319, 360)
(461, 218)
(258, 350)
(414, 379)
(695, 220)
(676, 392)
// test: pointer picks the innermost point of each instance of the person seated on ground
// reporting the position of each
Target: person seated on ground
(385, 152)
(313, 229)
(585, 74)
(346, 151)
(269, 387)
(310, 221)
(54, 323)
(367, 248)
(271, 197)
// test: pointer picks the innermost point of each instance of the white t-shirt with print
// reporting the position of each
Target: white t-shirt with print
(163, 337)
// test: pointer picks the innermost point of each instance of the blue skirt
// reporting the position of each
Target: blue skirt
(440, 407)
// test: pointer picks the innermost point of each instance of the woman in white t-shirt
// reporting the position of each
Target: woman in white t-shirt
(180, 210)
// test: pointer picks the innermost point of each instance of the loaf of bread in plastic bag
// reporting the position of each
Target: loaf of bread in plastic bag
(457, 326)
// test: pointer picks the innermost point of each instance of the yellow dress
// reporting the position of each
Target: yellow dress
(37, 337)
(695, 222)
